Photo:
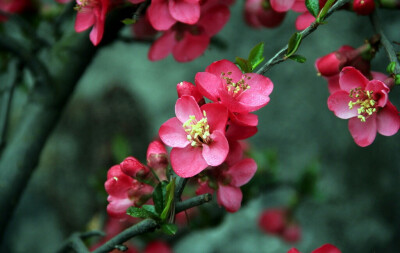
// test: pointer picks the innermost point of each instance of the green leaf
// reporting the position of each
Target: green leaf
(294, 43)
(141, 213)
(169, 229)
(129, 21)
(298, 58)
(256, 55)
(397, 79)
(169, 199)
(325, 10)
(313, 7)
(244, 65)
(149, 208)
(120, 147)
(159, 193)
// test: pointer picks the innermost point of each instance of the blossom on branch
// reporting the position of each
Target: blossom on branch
(366, 104)
(91, 13)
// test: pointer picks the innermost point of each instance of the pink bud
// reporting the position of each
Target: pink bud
(273, 221)
(132, 167)
(327, 248)
(330, 64)
(157, 157)
(293, 250)
(292, 233)
(363, 7)
(189, 89)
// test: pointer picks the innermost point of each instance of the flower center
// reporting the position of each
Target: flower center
(367, 105)
(84, 3)
(235, 89)
(198, 132)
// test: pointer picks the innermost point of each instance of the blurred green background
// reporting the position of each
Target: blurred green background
(123, 98)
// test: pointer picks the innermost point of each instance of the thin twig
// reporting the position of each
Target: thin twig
(391, 54)
(192, 202)
(280, 56)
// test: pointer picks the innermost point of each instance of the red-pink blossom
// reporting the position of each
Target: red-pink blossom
(123, 192)
(258, 15)
(197, 136)
(157, 247)
(188, 89)
(13, 6)
(366, 104)
(224, 81)
(273, 221)
(134, 168)
(91, 13)
(326, 248)
(163, 14)
(187, 42)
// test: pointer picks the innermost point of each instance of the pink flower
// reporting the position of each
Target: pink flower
(91, 13)
(163, 14)
(223, 81)
(123, 192)
(188, 89)
(133, 168)
(366, 104)
(257, 15)
(157, 156)
(187, 42)
(197, 136)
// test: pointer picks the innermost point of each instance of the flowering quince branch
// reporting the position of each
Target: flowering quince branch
(281, 55)
(386, 43)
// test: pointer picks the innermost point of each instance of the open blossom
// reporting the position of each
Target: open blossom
(366, 104)
(224, 81)
(124, 192)
(91, 13)
(197, 136)
(187, 42)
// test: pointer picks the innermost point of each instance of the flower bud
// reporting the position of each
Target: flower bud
(330, 64)
(133, 168)
(273, 221)
(292, 233)
(189, 89)
(363, 7)
(157, 157)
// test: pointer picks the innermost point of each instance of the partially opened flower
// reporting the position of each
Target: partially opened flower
(197, 136)
(366, 104)
(91, 13)
(224, 81)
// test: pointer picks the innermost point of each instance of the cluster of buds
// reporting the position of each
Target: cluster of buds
(358, 94)
(204, 136)
(280, 222)
(130, 183)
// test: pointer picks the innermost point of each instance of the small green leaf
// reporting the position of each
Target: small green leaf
(149, 208)
(243, 64)
(294, 43)
(129, 21)
(298, 58)
(169, 229)
(391, 67)
(159, 193)
(170, 191)
(256, 55)
(140, 213)
(325, 10)
(313, 7)
(397, 79)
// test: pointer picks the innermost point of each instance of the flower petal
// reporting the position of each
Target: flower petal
(214, 19)
(304, 20)
(185, 12)
(338, 102)
(84, 19)
(216, 152)
(333, 84)
(188, 161)
(208, 85)
(388, 120)
(229, 197)
(350, 78)
(173, 134)
(159, 15)
(235, 153)
(242, 172)
(217, 116)
(224, 67)
(185, 107)
(247, 119)
(327, 248)
(282, 5)
(190, 47)
(162, 47)
(117, 207)
(363, 132)
(239, 132)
